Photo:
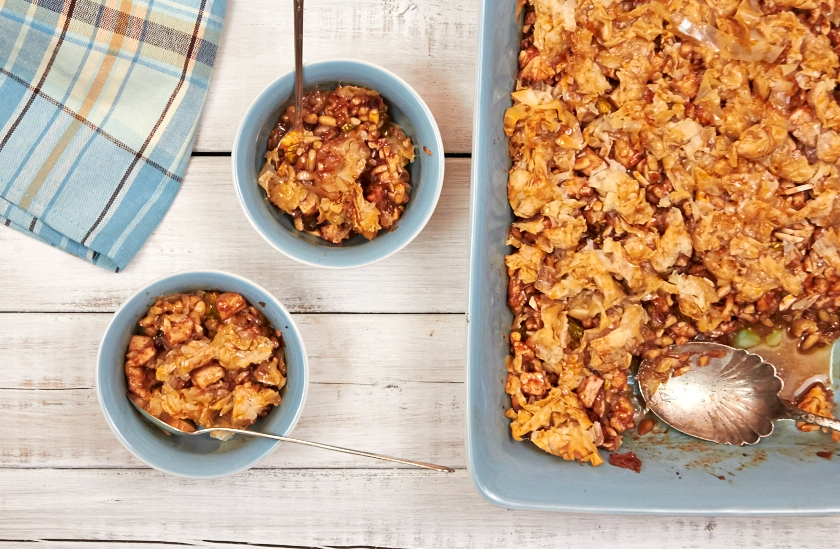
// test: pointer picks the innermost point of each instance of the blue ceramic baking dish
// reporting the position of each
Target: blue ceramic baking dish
(782, 475)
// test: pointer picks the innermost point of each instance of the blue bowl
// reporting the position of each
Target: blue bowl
(405, 108)
(196, 457)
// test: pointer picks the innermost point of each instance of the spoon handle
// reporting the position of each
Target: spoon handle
(792, 412)
(298, 61)
(334, 448)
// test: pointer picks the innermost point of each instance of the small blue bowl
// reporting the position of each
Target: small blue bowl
(196, 457)
(405, 108)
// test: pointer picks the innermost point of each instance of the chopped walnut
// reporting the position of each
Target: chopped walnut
(141, 350)
(621, 418)
(176, 328)
(228, 304)
(207, 359)
(534, 383)
(345, 171)
(207, 375)
(588, 390)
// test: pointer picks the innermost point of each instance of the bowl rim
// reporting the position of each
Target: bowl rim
(438, 143)
(274, 444)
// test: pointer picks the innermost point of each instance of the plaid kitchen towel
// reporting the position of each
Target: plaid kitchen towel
(99, 101)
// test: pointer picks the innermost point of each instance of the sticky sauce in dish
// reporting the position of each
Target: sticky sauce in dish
(799, 370)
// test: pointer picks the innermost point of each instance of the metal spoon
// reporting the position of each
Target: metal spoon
(295, 133)
(731, 400)
(170, 429)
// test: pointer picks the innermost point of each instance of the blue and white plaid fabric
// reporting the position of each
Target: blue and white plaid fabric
(99, 102)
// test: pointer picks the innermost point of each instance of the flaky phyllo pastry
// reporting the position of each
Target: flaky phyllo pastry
(205, 359)
(345, 171)
(675, 175)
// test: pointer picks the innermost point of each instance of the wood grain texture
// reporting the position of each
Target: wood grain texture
(58, 351)
(421, 421)
(395, 508)
(202, 544)
(206, 229)
(430, 44)
(383, 383)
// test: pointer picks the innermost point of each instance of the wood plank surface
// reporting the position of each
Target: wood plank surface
(313, 508)
(382, 383)
(429, 44)
(58, 351)
(422, 421)
(206, 229)
(386, 346)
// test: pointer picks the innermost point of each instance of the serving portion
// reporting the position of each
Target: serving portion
(205, 359)
(674, 177)
(345, 172)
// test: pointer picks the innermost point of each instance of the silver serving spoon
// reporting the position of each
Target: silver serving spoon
(731, 400)
(170, 429)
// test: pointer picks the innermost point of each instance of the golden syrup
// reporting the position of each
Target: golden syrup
(799, 370)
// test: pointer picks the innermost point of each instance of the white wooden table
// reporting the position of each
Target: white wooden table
(387, 356)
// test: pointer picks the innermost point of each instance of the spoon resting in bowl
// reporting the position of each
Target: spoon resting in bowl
(295, 133)
(718, 393)
(201, 431)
